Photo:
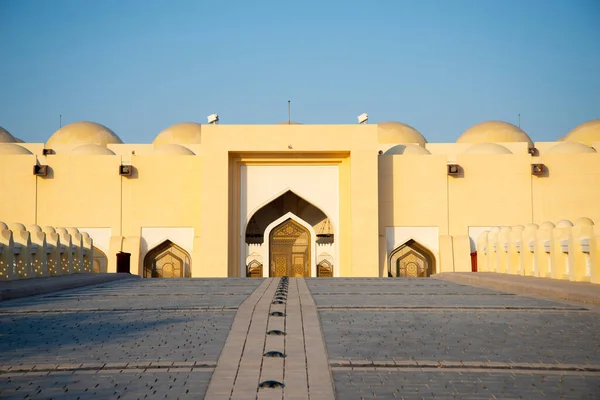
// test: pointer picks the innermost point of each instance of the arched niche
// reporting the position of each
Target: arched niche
(167, 260)
(411, 260)
(99, 262)
(311, 241)
(288, 202)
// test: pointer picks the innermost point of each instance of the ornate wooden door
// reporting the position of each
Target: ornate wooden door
(167, 261)
(289, 250)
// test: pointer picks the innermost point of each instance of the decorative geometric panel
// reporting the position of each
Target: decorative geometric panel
(289, 250)
(325, 269)
(167, 261)
(411, 260)
(255, 269)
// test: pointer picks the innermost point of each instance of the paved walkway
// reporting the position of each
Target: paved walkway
(31, 287)
(357, 338)
(554, 288)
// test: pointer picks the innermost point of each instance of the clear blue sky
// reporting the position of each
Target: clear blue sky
(138, 66)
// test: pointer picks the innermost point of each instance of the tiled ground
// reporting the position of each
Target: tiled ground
(537, 345)
(108, 338)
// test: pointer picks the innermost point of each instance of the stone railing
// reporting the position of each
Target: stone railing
(562, 251)
(33, 251)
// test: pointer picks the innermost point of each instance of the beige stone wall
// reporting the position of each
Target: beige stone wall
(377, 194)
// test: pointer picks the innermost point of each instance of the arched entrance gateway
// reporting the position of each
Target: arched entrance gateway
(167, 260)
(289, 250)
(291, 237)
(411, 260)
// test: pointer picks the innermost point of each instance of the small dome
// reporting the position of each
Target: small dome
(494, 132)
(182, 133)
(48, 229)
(584, 222)
(397, 132)
(565, 223)
(570, 148)
(15, 227)
(34, 228)
(6, 137)
(83, 133)
(174, 149)
(92, 150)
(487, 148)
(547, 225)
(586, 133)
(12, 148)
(407, 149)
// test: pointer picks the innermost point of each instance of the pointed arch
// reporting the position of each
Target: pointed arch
(325, 269)
(266, 202)
(167, 260)
(312, 242)
(99, 261)
(271, 209)
(411, 259)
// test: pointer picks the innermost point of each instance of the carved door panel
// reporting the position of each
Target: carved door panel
(290, 250)
(412, 265)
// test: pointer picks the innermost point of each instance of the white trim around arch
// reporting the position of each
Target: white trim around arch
(152, 237)
(265, 246)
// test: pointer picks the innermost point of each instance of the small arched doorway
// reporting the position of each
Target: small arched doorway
(167, 260)
(289, 250)
(411, 260)
(99, 262)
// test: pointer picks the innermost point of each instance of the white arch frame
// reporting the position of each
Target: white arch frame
(388, 261)
(281, 193)
(165, 239)
(266, 244)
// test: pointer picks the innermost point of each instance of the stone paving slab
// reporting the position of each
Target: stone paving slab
(465, 384)
(142, 294)
(433, 338)
(77, 344)
(106, 385)
(113, 336)
(35, 286)
(554, 288)
(566, 337)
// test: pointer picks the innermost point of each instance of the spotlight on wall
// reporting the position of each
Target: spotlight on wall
(453, 169)
(537, 169)
(213, 118)
(532, 151)
(46, 152)
(363, 118)
(125, 170)
(40, 170)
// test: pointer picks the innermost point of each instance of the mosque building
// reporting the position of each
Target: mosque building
(364, 200)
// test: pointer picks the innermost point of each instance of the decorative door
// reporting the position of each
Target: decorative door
(289, 250)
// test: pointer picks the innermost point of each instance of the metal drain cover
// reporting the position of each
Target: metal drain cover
(271, 384)
(274, 353)
(277, 314)
(276, 332)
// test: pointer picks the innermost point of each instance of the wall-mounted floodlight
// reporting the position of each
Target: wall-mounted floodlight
(213, 118)
(453, 169)
(363, 118)
(125, 170)
(40, 170)
(538, 169)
